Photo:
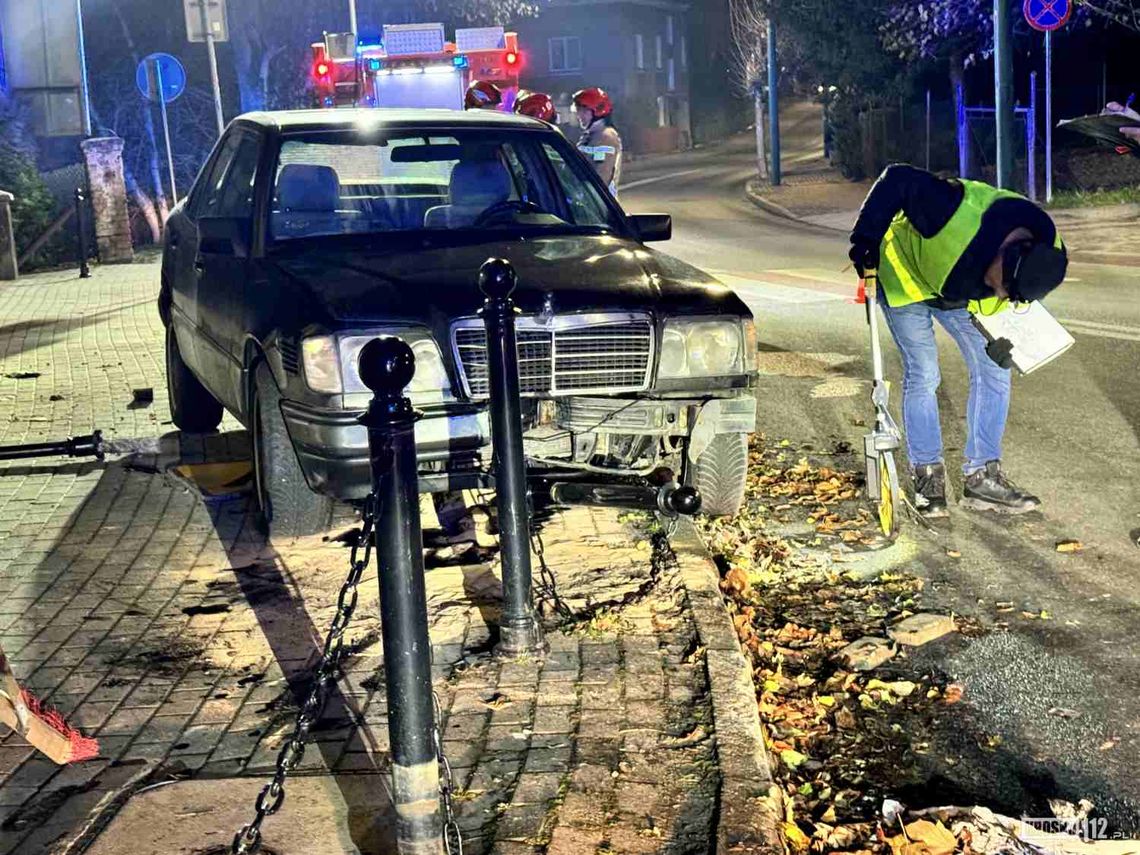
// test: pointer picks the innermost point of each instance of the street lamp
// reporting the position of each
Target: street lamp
(352, 16)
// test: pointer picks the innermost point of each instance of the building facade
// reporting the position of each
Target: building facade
(39, 43)
(639, 51)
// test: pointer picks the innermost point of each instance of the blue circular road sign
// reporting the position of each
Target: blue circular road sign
(1046, 15)
(169, 69)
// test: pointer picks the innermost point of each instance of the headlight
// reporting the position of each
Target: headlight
(429, 385)
(701, 349)
(322, 365)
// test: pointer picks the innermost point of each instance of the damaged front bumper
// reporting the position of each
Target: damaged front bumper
(605, 435)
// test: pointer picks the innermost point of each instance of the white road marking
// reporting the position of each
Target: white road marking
(646, 181)
(1097, 330)
(760, 289)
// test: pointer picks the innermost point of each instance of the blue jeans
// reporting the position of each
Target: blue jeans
(913, 330)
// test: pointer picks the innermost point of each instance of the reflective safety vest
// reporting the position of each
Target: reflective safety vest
(913, 268)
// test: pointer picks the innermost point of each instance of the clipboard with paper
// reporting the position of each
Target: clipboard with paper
(1036, 337)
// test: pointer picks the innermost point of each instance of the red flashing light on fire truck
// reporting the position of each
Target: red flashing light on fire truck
(414, 66)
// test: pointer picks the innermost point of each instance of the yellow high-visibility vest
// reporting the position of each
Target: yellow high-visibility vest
(913, 268)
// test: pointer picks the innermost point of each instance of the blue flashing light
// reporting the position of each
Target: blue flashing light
(374, 64)
(461, 62)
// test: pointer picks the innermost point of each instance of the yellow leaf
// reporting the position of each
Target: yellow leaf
(829, 815)
(1069, 546)
(799, 841)
(826, 700)
(792, 758)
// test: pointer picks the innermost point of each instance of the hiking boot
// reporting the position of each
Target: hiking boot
(930, 491)
(989, 490)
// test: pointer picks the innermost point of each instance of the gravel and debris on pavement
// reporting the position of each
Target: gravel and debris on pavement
(861, 681)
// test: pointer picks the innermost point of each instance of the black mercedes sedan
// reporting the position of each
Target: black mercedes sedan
(308, 233)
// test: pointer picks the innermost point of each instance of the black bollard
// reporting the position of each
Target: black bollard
(519, 631)
(81, 231)
(387, 367)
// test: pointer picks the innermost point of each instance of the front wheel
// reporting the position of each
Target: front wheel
(721, 474)
(290, 509)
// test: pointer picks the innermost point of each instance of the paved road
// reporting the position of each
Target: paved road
(1073, 437)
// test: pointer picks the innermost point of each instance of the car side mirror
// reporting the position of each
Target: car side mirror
(225, 236)
(653, 227)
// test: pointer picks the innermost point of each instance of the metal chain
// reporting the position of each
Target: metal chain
(248, 840)
(452, 838)
(545, 585)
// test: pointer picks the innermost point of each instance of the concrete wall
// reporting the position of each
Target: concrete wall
(650, 115)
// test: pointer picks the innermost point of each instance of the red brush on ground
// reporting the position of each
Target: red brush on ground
(44, 728)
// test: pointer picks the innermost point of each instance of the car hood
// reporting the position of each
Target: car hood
(574, 274)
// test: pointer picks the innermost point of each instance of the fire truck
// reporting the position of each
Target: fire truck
(414, 66)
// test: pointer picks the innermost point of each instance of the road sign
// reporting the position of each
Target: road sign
(171, 72)
(214, 20)
(1047, 15)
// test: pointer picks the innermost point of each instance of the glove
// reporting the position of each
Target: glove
(1000, 350)
(864, 254)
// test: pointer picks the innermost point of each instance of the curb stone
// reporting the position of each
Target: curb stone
(1078, 256)
(751, 807)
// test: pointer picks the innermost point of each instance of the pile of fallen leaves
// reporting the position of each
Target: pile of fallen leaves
(840, 740)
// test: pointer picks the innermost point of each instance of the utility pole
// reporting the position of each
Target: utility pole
(1003, 92)
(1048, 117)
(352, 16)
(212, 52)
(774, 102)
(84, 88)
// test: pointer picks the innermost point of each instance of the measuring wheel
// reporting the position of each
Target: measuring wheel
(889, 507)
(879, 446)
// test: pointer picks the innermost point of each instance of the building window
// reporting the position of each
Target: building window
(660, 54)
(565, 53)
(684, 53)
(639, 50)
(669, 29)
(672, 75)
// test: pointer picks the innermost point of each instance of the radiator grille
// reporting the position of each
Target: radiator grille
(567, 357)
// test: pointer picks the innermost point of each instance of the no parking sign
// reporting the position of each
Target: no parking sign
(1047, 15)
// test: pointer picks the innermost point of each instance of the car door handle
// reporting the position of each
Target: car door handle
(174, 241)
(199, 265)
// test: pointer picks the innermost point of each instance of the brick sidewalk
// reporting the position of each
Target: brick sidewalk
(159, 620)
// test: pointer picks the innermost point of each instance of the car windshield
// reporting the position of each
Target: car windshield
(340, 183)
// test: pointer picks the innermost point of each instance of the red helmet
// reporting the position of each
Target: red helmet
(482, 95)
(537, 105)
(596, 101)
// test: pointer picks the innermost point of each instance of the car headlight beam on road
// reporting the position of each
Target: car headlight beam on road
(701, 348)
(332, 365)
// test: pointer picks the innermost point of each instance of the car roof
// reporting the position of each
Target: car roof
(285, 121)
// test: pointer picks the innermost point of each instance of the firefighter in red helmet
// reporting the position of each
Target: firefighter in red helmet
(600, 141)
(482, 95)
(537, 105)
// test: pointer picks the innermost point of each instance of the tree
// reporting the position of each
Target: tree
(33, 207)
(1126, 13)
(749, 21)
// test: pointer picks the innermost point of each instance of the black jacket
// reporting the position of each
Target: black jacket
(929, 202)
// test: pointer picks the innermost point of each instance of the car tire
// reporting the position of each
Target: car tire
(288, 507)
(192, 408)
(721, 473)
